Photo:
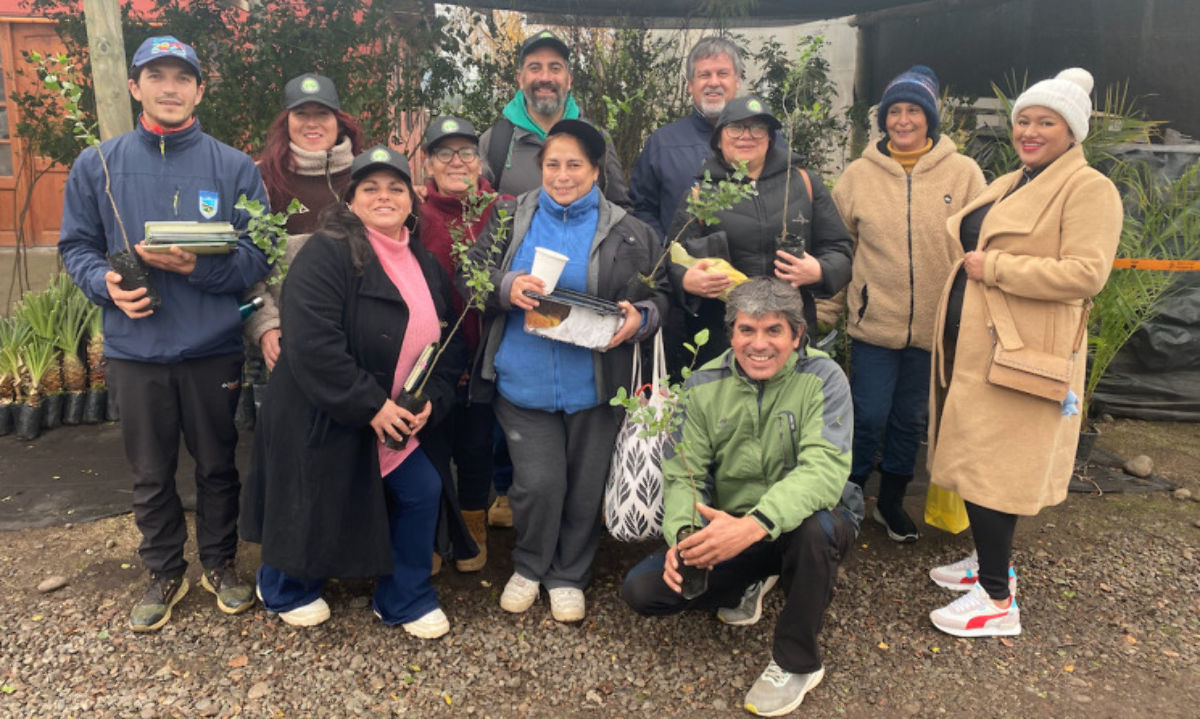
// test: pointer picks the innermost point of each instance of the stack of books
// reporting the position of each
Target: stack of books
(202, 238)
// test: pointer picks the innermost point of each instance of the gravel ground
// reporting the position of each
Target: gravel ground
(1110, 593)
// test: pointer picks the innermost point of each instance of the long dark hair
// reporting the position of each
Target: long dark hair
(276, 160)
(339, 222)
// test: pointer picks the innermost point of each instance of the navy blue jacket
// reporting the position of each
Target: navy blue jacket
(186, 175)
(667, 169)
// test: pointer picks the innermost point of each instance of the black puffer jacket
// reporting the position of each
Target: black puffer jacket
(749, 234)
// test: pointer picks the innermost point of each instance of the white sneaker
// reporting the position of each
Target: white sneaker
(431, 626)
(567, 604)
(519, 594)
(778, 691)
(974, 615)
(749, 609)
(310, 615)
(964, 574)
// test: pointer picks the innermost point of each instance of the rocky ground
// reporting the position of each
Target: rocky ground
(1109, 590)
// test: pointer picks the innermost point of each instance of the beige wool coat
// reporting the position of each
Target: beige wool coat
(1048, 247)
(903, 253)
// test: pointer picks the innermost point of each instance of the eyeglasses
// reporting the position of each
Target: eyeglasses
(735, 130)
(445, 155)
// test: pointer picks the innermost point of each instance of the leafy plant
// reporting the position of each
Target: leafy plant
(803, 92)
(72, 326)
(14, 333)
(1162, 221)
(478, 273)
(37, 358)
(666, 418)
(268, 231)
(95, 349)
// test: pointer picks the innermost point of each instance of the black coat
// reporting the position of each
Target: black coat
(748, 235)
(314, 497)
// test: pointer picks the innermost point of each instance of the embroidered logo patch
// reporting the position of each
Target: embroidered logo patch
(754, 106)
(449, 126)
(546, 33)
(380, 155)
(309, 85)
(209, 202)
(167, 46)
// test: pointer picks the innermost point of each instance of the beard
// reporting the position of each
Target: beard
(712, 108)
(547, 105)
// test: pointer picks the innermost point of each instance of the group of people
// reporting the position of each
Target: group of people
(356, 472)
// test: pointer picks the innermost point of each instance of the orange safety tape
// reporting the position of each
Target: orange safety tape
(1131, 263)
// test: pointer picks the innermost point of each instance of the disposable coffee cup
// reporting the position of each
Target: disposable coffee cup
(548, 266)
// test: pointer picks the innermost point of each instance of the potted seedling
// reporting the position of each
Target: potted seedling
(72, 325)
(41, 311)
(478, 283)
(37, 356)
(95, 405)
(127, 263)
(666, 418)
(13, 334)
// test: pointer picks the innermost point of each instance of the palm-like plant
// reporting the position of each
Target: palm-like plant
(72, 325)
(37, 359)
(13, 335)
(95, 349)
(1162, 221)
(42, 311)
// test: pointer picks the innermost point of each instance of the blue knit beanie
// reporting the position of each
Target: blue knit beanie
(918, 85)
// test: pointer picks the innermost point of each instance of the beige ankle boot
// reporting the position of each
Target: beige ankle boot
(437, 564)
(476, 522)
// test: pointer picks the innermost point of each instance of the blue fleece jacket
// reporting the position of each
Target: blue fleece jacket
(186, 175)
(534, 372)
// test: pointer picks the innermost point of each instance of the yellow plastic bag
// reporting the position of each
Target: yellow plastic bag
(945, 510)
(681, 257)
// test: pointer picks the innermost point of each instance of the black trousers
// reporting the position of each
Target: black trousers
(157, 403)
(806, 559)
(993, 533)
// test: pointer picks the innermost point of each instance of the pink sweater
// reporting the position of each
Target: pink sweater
(402, 268)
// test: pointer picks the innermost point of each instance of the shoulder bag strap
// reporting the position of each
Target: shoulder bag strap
(498, 149)
(807, 182)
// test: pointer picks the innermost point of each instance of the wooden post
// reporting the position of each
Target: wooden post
(106, 45)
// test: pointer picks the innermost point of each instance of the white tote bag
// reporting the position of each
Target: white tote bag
(633, 496)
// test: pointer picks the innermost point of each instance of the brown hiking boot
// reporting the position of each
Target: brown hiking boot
(476, 521)
(234, 596)
(153, 610)
(500, 514)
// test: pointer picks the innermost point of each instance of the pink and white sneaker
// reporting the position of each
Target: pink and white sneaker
(964, 574)
(974, 615)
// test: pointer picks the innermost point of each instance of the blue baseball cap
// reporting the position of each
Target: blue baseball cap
(165, 46)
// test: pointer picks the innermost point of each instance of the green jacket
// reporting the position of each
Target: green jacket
(778, 450)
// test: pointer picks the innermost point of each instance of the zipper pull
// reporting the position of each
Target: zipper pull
(175, 202)
(162, 145)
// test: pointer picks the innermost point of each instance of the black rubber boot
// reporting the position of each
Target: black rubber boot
(889, 509)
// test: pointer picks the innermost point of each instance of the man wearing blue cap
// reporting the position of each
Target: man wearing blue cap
(173, 366)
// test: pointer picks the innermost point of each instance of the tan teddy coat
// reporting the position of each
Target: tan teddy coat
(903, 253)
(1048, 246)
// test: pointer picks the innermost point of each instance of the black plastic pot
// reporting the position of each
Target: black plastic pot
(134, 274)
(28, 421)
(72, 412)
(95, 403)
(6, 418)
(694, 580)
(112, 412)
(412, 403)
(52, 412)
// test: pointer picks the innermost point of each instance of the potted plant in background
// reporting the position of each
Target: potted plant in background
(37, 357)
(72, 325)
(12, 337)
(95, 405)
(41, 310)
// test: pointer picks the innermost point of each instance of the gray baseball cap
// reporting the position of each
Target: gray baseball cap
(310, 87)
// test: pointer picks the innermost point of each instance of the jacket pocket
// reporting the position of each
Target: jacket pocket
(862, 307)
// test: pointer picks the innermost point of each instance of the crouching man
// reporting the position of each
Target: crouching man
(767, 430)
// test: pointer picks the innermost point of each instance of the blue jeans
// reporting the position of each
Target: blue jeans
(890, 389)
(405, 595)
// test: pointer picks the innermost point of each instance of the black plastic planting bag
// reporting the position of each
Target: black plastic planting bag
(29, 421)
(72, 412)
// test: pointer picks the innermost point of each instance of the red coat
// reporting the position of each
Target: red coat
(439, 213)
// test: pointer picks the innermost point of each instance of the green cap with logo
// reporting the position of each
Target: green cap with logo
(379, 157)
(310, 87)
(744, 108)
(448, 126)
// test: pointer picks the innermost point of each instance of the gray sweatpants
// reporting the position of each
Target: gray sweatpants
(560, 464)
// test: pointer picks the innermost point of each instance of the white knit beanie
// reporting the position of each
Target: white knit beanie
(1069, 94)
